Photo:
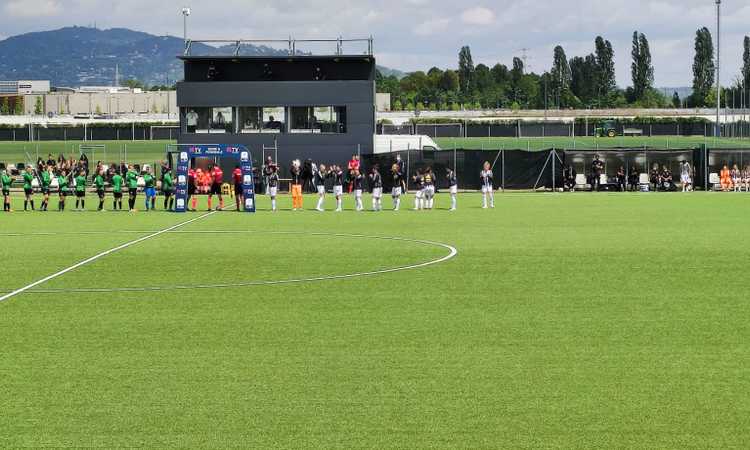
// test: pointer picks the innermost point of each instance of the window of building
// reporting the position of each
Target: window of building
(265, 119)
(318, 119)
(208, 120)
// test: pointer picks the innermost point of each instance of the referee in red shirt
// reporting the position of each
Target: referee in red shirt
(217, 179)
(237, 179)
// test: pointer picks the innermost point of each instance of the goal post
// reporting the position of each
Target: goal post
(92, 150)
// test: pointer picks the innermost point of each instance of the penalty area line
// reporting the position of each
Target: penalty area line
(101, 255)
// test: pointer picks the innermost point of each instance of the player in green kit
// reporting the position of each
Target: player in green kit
(63, 189)
(167, 188)
(149, 187)
(117, 182)
(28, 188)
(80, 182)
(99, 183)
(6, 181)
(131, 180)
(46, 182)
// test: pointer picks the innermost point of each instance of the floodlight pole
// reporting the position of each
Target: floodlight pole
(185, 14)
(718, 68)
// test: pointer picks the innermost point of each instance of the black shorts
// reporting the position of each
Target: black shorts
(191, 190)
(216, 189)
(118, 195)
(168, 192)
(6, 192)
(63, 193)
(100, 193)
(28, 191)
(133, 192)
(238, 189)
(80, 194)
(45, 190)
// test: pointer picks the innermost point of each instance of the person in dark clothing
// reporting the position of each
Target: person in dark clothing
(667, 181)
(654, 177)
(621, 179)
(569, 178)
(597, 168)
(633, 179)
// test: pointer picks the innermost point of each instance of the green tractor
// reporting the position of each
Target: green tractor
(605, 128)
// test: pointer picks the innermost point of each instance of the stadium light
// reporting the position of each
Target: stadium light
(718, 68)
(185, 13)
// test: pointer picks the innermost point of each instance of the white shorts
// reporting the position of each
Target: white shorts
(396, 192)
(429, 191)
(686, 179)
(486, 189)
(321, 190)
(419, 193)
(377, 192)
(358, 193)
(272, 191)
(454, 189)
(338, 190)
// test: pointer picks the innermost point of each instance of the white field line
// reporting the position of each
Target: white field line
(100, 255)
(452, 252)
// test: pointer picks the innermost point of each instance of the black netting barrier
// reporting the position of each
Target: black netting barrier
(164, 133)
(440, 130)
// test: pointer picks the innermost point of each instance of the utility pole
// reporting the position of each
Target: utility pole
(185, 14)
(718, 68)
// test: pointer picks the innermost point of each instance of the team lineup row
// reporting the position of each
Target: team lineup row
(63, 183)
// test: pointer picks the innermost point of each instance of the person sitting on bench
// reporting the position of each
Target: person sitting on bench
(667, 181)
(569, 178)
(654, 177)
(726, 179)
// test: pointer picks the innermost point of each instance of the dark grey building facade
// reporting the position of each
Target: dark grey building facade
(317, 107)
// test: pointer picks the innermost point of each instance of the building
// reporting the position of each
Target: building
(25, 87)
(296, 106)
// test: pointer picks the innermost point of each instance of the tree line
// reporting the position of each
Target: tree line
(580, 82)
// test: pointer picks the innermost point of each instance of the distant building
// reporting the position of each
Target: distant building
(383, 102)
(24, 87)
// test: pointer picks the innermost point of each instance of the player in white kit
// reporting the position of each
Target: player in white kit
(319, 179)
(686, 177)
(397, 179)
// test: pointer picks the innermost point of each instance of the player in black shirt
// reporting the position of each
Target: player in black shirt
(397, 179)
(453, 183)
(428, 179)
(376, 184)
(273, 185)
(338, 185)
(358, 184)
(319, 180)
(419, 190)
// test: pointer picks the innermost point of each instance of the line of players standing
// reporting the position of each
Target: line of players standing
(423, 181)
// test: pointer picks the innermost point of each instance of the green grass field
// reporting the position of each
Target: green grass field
(136, 151)
(564, 321)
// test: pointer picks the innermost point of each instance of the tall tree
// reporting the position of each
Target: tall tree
(746, 69)
(676, 101)
(465, 70)
(703, 67)
(560, 76)
(641, 68)
(583, 78)
(516, 79)
(605, 69)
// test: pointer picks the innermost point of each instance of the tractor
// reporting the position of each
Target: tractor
(605, 128)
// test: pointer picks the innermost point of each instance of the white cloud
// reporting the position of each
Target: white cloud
(433, 26)
(478, 16)
(32, 8)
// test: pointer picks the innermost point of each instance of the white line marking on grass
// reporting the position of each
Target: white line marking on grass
(101, 255)
(452, 252)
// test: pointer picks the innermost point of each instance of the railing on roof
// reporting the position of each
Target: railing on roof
(291, 44)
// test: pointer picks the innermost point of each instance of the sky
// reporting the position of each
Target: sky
(419, 34)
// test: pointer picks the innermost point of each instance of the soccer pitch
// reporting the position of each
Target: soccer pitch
(589, 320)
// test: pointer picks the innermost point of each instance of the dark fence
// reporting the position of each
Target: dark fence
(98, 133)
(517, 169)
